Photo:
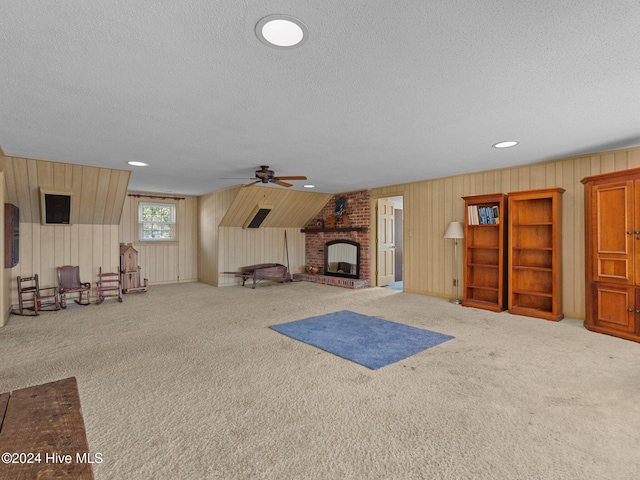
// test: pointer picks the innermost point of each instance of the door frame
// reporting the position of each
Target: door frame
(373, 231)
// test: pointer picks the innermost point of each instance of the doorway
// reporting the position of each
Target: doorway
(389, 227)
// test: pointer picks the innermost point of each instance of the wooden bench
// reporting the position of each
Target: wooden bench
(42, 430)
(274, 272)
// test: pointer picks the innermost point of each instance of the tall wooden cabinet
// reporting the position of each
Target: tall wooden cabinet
(485, 252)
(535, 246)
(612, 241)
(130, 270)
(11, 235)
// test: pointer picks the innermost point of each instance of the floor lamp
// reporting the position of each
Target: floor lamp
(456, 232)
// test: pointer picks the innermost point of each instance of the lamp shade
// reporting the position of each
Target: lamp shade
(454, 230)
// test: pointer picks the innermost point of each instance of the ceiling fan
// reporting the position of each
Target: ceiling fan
(264, 175)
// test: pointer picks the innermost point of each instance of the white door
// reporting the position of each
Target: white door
(386, 243)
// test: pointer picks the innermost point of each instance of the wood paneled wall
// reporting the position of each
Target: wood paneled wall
(5, 278)
(164, 262)
(45, 247)
(239, 247)
(224, 246)
(98, 193)
(103, 216)
(430, 205)
(91, 241)
(212, 209)
(204, 249)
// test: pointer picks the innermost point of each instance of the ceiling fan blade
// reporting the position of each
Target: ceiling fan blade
(298, 177)
(267, 176)
(282, 184)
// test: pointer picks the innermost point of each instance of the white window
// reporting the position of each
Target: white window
(156, 222)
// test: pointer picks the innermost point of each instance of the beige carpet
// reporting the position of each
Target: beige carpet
(188, 382)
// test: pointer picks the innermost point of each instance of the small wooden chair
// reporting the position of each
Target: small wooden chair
(40, 298)
(69, 280)
(108, 285)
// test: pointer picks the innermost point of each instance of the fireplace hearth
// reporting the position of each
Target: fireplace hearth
(353, 283)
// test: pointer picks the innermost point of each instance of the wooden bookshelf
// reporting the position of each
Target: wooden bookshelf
(485, 252)
(535, 245)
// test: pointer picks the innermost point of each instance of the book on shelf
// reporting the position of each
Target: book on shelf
(496, 214)
(483, 215)
(490, 219)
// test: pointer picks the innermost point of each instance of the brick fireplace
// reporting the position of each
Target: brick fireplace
(357, 206)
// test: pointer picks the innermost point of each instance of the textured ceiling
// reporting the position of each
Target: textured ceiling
(382, 92)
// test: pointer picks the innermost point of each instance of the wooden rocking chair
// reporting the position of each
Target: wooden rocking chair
(69, 280)
(32, 297)
(108, 285)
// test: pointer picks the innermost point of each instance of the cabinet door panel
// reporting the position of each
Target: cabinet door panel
(636, 232)
(613, 231)
(613, 303)
(636, 318)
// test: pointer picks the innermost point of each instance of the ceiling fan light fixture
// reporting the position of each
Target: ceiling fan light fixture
(309, 186)
(281, 31)
(507, 144)
(138, 164)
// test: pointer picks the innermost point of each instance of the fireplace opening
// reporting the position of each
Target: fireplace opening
(342, 258)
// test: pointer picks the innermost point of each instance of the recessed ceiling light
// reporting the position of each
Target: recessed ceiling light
(505, 144)
(138, 164)
(309, 186)
(281, 31)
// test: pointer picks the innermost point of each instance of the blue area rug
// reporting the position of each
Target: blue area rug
(369, 341)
